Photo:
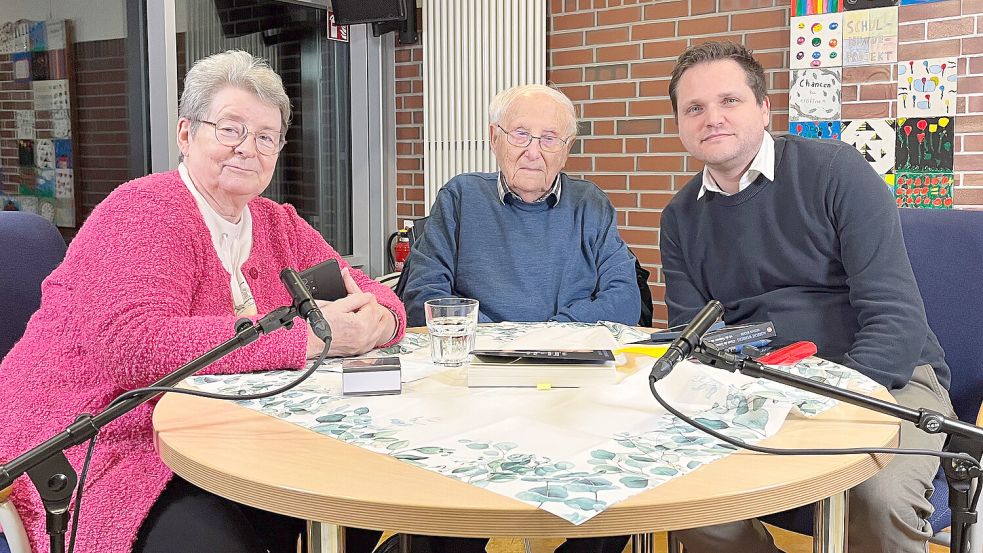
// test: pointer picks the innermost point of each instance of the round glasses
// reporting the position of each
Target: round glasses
(522, 138)
(233, 133)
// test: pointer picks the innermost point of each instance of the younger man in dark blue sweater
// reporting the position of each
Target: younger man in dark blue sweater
(805, 234)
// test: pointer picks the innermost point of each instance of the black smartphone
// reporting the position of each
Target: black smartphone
(324, 281)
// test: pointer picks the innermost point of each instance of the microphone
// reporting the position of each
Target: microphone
(688, 340)
(305, 304)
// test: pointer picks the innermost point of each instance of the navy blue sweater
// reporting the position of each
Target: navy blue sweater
(819, 252)
(524, 261)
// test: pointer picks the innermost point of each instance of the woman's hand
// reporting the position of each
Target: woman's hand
(358, 323)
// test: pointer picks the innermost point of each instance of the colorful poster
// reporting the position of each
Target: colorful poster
(45, 184)
(925, 190)
(927, 87)
(814, 7)
(870, 36)
(852, 5)
(816, 129)
(924, 145)
(815, 41)
(63, 154)
(814, 94)
(874, 139)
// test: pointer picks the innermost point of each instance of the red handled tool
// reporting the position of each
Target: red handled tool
(789, 355)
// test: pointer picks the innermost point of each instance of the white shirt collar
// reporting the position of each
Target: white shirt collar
(763, 164)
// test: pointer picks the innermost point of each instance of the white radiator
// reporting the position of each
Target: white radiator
(472, 50)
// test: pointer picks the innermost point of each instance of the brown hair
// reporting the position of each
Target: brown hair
(713, 51)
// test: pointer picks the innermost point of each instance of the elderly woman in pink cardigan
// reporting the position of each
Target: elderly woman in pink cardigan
(158, 275)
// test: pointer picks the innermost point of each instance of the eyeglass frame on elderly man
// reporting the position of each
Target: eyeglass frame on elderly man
(561, 141)
(245, 134)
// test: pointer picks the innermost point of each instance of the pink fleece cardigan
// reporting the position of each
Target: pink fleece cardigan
(141, 292)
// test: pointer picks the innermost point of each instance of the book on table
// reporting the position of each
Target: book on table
(541, 368)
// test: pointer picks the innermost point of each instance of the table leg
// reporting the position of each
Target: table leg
(325, 538)
(642, 543)
(829, 532)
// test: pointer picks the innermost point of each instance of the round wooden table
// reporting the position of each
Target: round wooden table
(261, 461)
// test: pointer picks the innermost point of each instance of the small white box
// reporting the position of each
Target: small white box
(371, 377)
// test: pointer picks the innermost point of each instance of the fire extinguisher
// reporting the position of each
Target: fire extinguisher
(397, 256)
(402, 250)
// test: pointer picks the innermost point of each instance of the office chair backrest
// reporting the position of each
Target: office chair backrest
(946, 248)
(30, 248)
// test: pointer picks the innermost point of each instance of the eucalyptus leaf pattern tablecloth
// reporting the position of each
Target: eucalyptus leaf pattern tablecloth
(572, 452)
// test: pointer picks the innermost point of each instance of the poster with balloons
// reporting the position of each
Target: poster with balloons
(927, 87)
(815, 41)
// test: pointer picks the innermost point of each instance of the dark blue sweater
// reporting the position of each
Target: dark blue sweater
(524, 261)
(819, 252)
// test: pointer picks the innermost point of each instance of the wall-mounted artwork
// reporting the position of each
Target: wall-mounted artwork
(815, 41)
(874, 139)
(870, 36)
(927, 87)
(925, 190)
(853, 5)
(814, 7)
(924, 145)
(44, 181)
(816, 129)
(24, 124)
(22, 66)
(814, 94)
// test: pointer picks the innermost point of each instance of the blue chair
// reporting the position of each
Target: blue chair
(945, 249)
(30, 248)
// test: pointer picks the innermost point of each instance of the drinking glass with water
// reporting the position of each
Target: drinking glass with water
(452, 323)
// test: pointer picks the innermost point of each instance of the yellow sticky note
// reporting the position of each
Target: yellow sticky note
(543, 386)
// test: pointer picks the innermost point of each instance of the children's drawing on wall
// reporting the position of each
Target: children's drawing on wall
(927, 87)
(815, 41)
(870, 37)
(814, 94)
(924, 144)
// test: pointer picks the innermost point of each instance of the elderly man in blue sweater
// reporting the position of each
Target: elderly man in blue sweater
(528, 242)
(805, 234)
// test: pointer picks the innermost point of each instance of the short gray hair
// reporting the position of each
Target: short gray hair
(504, 100)
(237, 69)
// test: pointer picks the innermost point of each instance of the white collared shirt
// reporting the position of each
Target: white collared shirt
(232, 242)
(763, 164)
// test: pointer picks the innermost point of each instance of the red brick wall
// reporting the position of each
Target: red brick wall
(409, 128)
(614, 57)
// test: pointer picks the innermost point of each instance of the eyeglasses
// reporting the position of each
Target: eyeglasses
(520, 139)
(233, 133)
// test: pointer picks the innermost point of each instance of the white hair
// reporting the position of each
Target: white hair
(504, 100)
(237, 69)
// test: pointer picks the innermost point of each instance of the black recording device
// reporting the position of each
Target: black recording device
(324, 281)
